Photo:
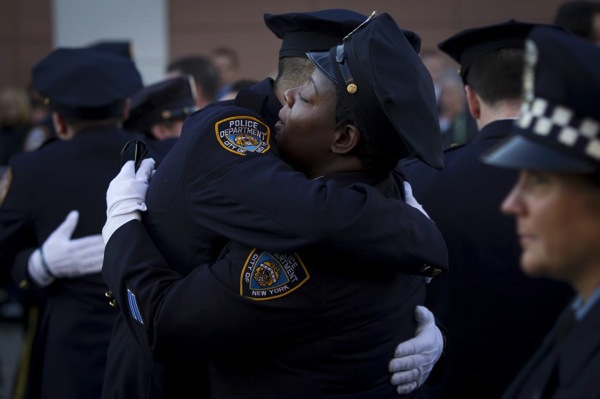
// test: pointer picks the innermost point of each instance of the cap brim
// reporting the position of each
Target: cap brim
(322, 60)
(519, 152)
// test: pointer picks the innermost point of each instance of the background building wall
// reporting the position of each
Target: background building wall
(173, 28)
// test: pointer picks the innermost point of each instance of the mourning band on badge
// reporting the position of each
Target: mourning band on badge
(267, 276)
(243, 134)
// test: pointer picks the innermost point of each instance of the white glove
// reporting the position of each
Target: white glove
(412, 201)
(126, 196)
(414, 359)
(61, 256)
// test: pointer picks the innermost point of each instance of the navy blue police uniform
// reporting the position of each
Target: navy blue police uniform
(485, 279)
(69, 351)
(240, 173)
(558, 130)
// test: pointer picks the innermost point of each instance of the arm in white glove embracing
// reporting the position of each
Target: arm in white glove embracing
(60, 256)
(414, 359)
(126, 196)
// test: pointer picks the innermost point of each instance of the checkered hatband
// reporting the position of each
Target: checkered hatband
(560, 125)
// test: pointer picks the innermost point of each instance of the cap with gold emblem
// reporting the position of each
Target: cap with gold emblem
(85, 83)
(167, 100)
(387, 86)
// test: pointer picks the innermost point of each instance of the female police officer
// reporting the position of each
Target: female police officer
(270, 321)
(556, 203)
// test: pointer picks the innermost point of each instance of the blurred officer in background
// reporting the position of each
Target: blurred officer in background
(205, 73)
(157, 113)
(297, 318)
(247, 187)
(484, 294)
(57, 192)
(556, 204)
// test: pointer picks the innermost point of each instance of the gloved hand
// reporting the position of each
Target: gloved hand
(60, 256)
(411, 200)
(126, 196)
(414, 359)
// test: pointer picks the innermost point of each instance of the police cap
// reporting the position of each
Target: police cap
(85, 83)
(311, 31)
(469, 45)
(387, 86)
(123, 48)
(167, 100)
(559, 124)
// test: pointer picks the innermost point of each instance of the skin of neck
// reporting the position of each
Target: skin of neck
(485, 113)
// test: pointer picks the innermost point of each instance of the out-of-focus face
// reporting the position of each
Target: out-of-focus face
(558, 223)
(306, 125)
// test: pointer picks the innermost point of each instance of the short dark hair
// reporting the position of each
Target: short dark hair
(379, 152)
(497, 76)
(202, 69)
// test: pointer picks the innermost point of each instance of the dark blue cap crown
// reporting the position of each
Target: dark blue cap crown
(85, 83)
(311, 31)
(467, 46)
(123, 48)
(559, 124)
(167, 100)
(387, 86)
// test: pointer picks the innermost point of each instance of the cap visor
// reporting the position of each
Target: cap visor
(322, 61)
(519, 152)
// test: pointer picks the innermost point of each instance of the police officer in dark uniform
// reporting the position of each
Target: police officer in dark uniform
(556, 203)
(157, 113)
(268, 321)
(248, 184)
(484, 294)
(87, 91)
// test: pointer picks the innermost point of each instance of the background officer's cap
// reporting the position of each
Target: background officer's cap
(559, 124)
(123, 48)
(387, 86)
(84, 83)
(167, 100)
(469, 45)
(311, 31)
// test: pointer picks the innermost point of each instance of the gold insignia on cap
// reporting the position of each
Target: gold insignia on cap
(351, 88)
(46, 101)
(166, 114)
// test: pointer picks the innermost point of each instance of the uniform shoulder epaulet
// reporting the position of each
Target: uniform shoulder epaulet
(251, 100)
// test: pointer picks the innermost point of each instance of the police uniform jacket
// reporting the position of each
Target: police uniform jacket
(307, 324)
(74, 330)
(218, 182)
(484, 295)
(571, 366)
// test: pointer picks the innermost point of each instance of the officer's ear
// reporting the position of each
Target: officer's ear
(61, 127)
(473, 102)
(345, 139)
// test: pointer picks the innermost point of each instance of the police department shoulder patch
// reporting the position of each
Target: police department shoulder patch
(243, 134)
(268, 275)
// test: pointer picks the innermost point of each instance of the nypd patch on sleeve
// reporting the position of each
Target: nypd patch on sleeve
(268, 276)
(243, 134)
